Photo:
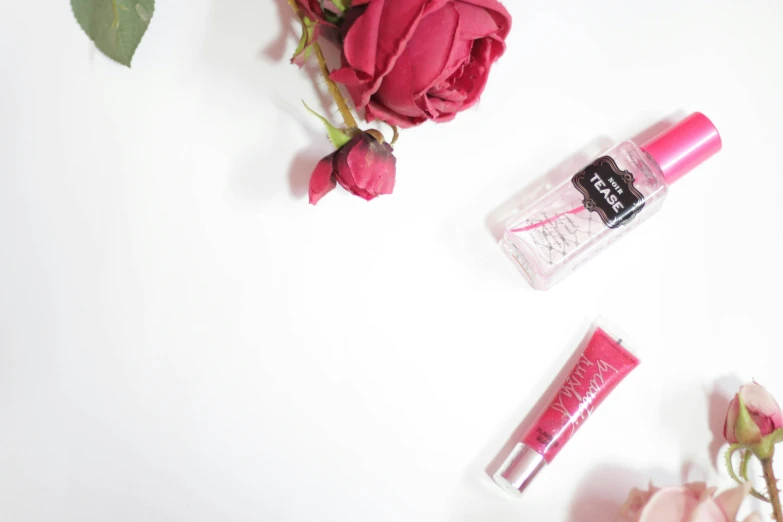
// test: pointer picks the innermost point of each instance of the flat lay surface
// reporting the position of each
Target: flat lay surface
(184, 337)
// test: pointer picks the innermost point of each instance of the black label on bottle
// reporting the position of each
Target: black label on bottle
(609, 192)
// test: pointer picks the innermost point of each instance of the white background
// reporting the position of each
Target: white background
(182, 337)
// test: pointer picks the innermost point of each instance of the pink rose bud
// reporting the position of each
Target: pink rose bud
(763, 416)
(364, 166)
(690, 502)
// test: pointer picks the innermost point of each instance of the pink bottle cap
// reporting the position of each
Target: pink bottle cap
(684, 146)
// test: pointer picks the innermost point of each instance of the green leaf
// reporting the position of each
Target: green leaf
(776, 436)
(342, 5)
(766, 448)
(331, 17)
(743, 471)
(729, 466)
(308, 36)
(744, 465)
(336, 136)
(746, 455)
(116, 26)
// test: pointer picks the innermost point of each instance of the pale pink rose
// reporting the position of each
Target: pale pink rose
(693, 502)
(763, 409)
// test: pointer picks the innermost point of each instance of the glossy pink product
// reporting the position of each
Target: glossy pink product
(588, 211)
(601, 367)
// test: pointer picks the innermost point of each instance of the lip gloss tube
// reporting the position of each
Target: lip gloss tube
(598, 370)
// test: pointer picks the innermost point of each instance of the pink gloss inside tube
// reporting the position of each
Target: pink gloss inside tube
(596, 372)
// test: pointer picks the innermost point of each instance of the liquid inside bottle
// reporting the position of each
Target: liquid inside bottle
(584, 213)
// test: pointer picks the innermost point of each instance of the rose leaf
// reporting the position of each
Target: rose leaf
(115, 26)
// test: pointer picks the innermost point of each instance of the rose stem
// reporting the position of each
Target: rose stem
(334, 90)
(772, 489)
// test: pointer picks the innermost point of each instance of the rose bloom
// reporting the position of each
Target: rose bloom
(364, 166)
(408, 61)
(693, 502)
(763, 409)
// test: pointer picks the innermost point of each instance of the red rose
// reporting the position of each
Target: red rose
(407, 61)
(364, 166)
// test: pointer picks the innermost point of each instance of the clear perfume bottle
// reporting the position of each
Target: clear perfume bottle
(589, 210)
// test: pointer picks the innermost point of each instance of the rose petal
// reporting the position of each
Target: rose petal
(731, 421)
(372, 166)
(343, 173)
(474, 76)
(396, 92)
(386, 183)
(698, 490)
(361, 40)
(436, 5)
(444, 106)
(445, 117)
(498, 13)
(460, 57)
(400, 19)
(361, 162)
(468, 87)
(637, 499)
(759, 401)
(707, 511)
(430, 47)
(730, 500)
(476, 22)
(669, 505)
(448, 93)
(377, 111)
(692, 502)
(322, 179)
(348, 76)
(503, 20)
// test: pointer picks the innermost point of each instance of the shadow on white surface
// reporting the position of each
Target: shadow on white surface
(238, 47)
(604, 490)
(718, 402)
(299, 173)
(234, 40)
(249, 179)
(658, 127)
(275, 50)
(305, 160)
